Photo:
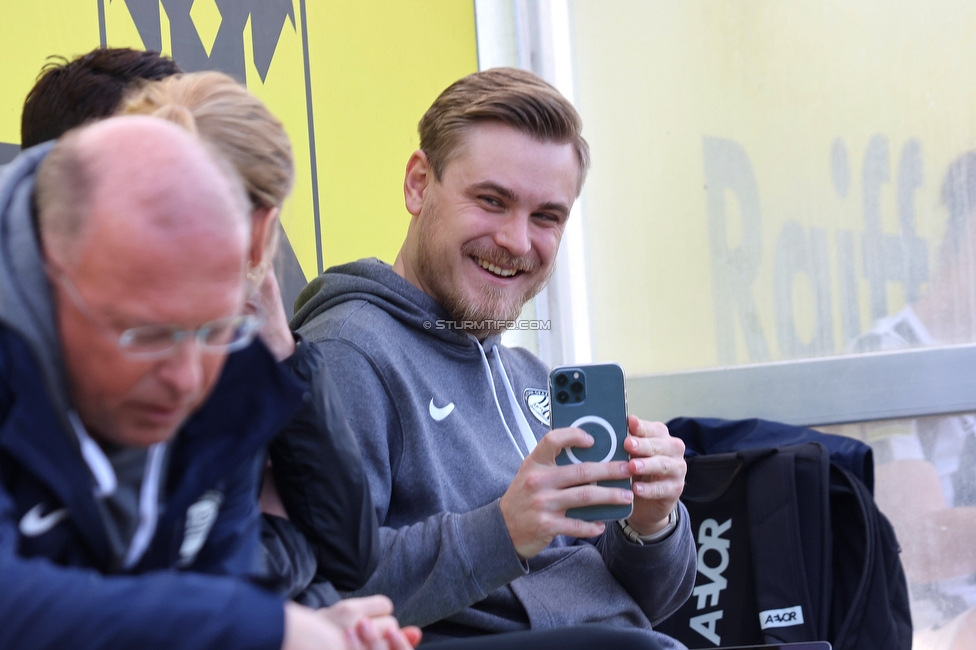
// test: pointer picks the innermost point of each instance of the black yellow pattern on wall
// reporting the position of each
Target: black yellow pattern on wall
(349, 79)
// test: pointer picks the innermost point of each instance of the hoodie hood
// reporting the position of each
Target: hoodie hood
(375, 282)
(25, 293)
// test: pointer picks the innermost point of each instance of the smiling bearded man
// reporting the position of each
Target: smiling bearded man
(477, 265)
(474, 535)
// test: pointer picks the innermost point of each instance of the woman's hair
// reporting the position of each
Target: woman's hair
(235, 122)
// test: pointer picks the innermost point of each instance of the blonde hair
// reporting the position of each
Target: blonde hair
(235, 122)
(510, 96)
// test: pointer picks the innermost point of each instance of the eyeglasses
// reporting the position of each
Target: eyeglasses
(149, 342)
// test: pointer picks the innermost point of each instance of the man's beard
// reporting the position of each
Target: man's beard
(494, 306)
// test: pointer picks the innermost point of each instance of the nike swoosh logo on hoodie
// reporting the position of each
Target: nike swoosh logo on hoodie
(440, 412)
(33, 524)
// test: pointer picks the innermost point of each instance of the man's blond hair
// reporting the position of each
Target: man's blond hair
(509, 96)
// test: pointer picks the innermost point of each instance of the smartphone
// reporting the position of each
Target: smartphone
(593, 398)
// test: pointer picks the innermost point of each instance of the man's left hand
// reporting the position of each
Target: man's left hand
(658, 467)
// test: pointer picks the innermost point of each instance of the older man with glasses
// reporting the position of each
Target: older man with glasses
(135, 406)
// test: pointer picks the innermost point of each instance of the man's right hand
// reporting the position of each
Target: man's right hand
(535, 504)
(353, 624)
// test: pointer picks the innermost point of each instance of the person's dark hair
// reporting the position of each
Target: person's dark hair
(70, 93)
(959, 197)
(513, 97)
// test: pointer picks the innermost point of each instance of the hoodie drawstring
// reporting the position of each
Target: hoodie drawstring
(148, 505)
(527, 436)
(95, 458)
(107, 483)
(523, 424)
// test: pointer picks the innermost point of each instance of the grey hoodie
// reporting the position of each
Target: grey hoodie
(444, 423)
(25, 301)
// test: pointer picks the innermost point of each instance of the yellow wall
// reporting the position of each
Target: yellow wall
(378, 66)
(374, 67)
(784, 80)
(37, 30)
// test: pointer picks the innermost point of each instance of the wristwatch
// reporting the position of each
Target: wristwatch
(637, 538)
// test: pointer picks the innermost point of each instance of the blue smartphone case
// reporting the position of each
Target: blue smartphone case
(600, 409)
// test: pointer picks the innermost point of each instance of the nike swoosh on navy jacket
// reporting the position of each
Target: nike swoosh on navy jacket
(61, 583)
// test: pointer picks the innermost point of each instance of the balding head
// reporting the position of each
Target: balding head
(151, 230)
(128, 163)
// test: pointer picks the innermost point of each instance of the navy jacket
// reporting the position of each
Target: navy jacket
(57, 589)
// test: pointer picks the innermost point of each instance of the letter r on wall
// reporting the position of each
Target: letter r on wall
(727, 167)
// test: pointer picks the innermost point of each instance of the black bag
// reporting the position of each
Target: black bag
(791, 546)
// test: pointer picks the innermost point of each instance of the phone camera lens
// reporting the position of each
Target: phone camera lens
(562, 397)
(561, 380)
(577, 387)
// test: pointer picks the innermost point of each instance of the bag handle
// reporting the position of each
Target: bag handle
(745, 458)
